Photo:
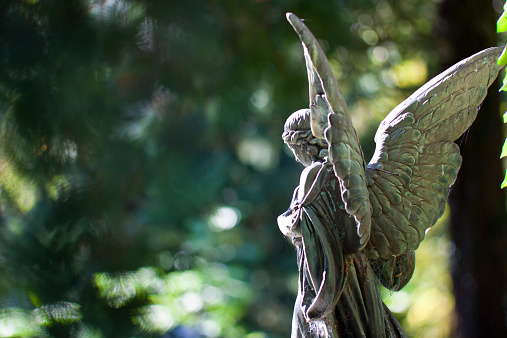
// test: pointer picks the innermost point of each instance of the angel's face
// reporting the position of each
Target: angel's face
(302, 154)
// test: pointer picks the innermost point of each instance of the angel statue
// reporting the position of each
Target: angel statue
(355, 224)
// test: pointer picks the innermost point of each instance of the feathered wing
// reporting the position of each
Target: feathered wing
(331, 121)
(416, 160)
(403, 190)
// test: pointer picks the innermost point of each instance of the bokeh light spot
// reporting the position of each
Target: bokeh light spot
(399, 302)
(260, 99)
(380, 54)
(155, 319)
(370, 37)
(411, 73)
(191, 302)
(224, 218)
(257, 152)
(210, 328)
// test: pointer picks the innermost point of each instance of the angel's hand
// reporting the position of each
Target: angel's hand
(288, 222)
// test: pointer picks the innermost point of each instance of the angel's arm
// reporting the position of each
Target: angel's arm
(304, 193)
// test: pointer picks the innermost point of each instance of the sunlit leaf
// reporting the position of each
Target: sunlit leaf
(60, 312)
(118, 290)
(504, 183)
(504, 85)
(154, 318)
(34, 299)
(502, 60)
(501, 24)
(504, 150)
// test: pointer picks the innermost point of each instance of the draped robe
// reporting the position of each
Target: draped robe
(338, 292)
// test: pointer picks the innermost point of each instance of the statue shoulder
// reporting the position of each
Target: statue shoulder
(307, 179)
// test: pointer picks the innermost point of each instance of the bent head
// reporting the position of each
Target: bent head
(298, 136)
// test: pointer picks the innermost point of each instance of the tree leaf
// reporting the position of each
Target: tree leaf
(504, 183)
(504, 150)
(502, 60)
(501, 24)
(504, 86)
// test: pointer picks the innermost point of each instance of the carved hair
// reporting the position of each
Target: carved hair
(297, 132)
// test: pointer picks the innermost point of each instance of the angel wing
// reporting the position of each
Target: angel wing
(403, 190)
(416, 160)
(328, 108)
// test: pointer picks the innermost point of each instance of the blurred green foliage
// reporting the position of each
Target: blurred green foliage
(141, 163)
